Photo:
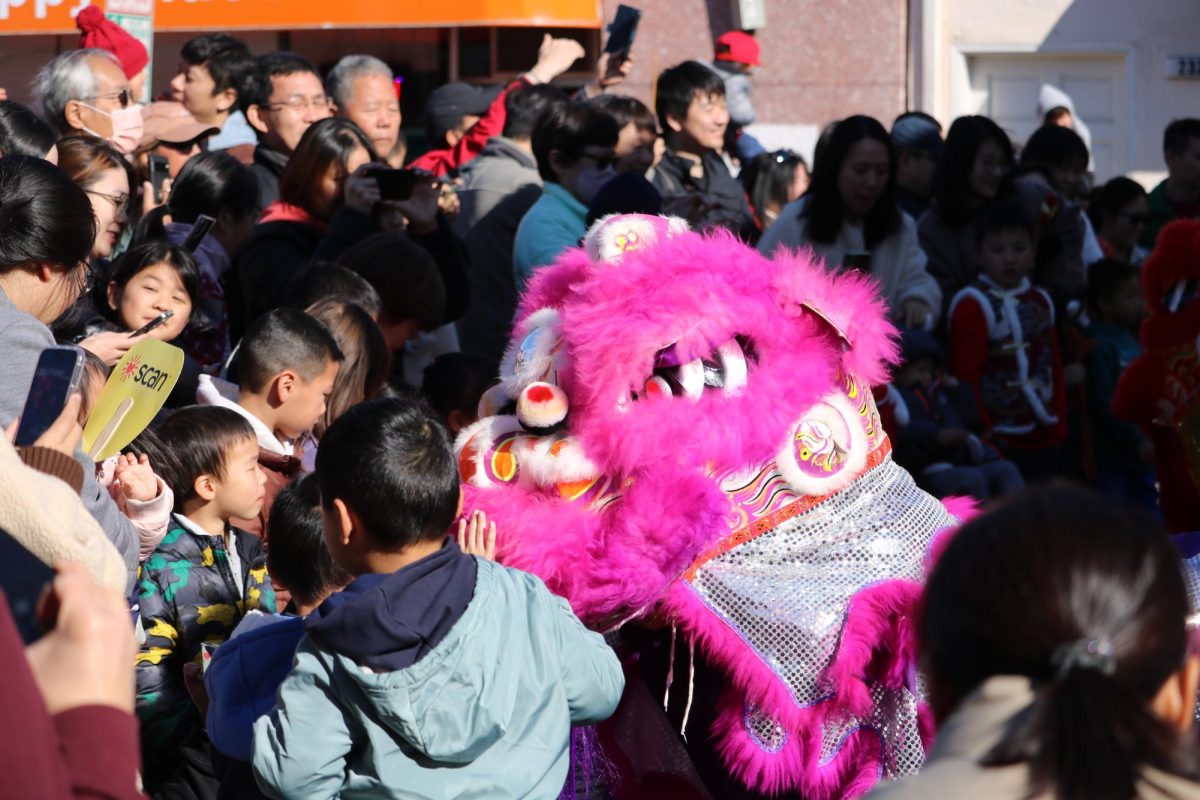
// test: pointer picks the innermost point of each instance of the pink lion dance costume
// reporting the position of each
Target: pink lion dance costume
(694, 435)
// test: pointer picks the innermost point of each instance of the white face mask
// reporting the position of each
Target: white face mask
(127, 127)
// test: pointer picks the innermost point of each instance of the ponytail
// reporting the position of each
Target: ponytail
(1087, 736)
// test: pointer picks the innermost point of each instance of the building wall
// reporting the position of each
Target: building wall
(1135, 37)
(820, 62)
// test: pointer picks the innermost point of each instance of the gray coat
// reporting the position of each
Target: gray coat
(499, 186)
(24, 338)
(953, 768)
(737, 94)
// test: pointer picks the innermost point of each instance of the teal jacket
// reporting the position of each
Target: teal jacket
(556, 222)
(486, 713)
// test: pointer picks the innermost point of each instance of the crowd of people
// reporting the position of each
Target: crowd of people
(305, 627)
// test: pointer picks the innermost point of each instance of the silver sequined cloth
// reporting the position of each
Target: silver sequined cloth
(786, 591)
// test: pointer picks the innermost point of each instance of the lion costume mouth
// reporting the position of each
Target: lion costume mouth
(725, 369)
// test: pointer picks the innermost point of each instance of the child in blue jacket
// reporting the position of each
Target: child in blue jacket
(434, 673)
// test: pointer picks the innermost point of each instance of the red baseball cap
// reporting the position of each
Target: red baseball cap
(738, 46)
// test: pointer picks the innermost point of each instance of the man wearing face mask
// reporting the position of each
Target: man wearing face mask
(574, 146)
(87, 91)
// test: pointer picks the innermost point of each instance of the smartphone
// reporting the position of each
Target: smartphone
(203, 224)
(56, 378)
(154, 323)
(159, 172)
(23, 577)
(394, 184)
(623, 29)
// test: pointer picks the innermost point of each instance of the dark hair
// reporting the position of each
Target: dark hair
(22, 133)
(257, 86)
(1053, 146)
(1179, 133)
(570, 128)
(140, 257)
(390, 462)
(284, 339)
(951, 181)
(325, 280)
(1108, 200)
(824, 206)
(93, 368)
(85, 158)
(627, 193)
(823, 142)
(227, 59)
(1055, 114)
(200, 438)
(524, 107)
(677, 86)
(365, 357)
(456, 381)
(298, 557)
(1058, 568)
(627, 110)
(405, 276)
(211, 183)
(45, 218)
(1105, 278)
(325, 143)
(769, 177)
(1003, 216)
(932, 120)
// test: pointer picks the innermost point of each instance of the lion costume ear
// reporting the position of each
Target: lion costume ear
(611, 237)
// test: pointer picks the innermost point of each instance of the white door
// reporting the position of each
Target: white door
(1005, 87)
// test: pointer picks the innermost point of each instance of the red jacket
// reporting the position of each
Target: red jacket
(1004, 345)
(91, 751)
(448, 159)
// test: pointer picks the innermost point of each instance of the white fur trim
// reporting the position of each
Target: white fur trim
(480, 438)
(549, 469)
(900, 410)
(985, 306)
(1012, 315)
(611, 237)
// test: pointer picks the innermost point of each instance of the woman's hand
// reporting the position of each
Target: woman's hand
(361, 191)
(110, 346)
(915, 314)
(87, 658)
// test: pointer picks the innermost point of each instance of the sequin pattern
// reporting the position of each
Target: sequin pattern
(786, 592)
(894, 721)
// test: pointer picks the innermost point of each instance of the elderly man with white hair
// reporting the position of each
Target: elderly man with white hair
(86, 90)
(363, 90)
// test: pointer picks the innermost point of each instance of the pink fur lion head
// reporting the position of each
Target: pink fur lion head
(688, 349)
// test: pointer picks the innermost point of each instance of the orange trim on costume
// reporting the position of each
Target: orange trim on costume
(771, 521)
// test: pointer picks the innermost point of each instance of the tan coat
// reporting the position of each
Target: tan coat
(953, 768)
(47, 516)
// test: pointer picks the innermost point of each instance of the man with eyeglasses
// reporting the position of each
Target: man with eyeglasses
(86, 91)
(282, 97)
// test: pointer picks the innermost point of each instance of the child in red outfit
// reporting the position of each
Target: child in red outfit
(1003, 343)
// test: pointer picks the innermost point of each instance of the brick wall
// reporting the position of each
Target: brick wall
(822, 60)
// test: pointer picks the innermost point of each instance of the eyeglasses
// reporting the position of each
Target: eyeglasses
(119, 201)
(90, 276)
(299, 102)
(124, 97)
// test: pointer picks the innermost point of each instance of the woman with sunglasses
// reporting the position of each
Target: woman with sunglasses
(103, 174)
(47, 231)
(1120, 211)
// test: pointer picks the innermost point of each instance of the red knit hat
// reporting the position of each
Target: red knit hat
(739, 47)
(99, 31)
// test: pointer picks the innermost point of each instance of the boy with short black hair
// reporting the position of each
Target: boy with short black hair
(197, 584)
(1123, 457)
(287, 364)
(454, 384)
(407, 676)
(212, 68)
(1003, 343)
(692, 177)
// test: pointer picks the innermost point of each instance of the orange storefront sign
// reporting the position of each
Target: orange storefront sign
(58, 16)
